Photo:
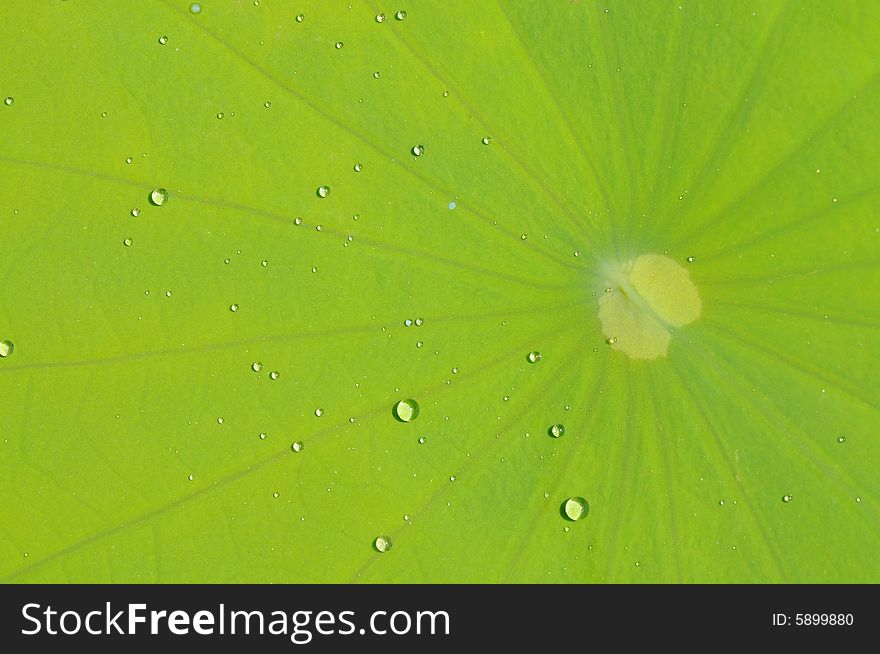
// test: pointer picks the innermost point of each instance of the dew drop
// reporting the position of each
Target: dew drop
(406, 410)
(257, 366)
(841, 439)
(135, 213)
(319, 228)
(487, 140)
(195, 8)
(422, 440)
(420, 343)
(127, 242)
(534, 357)
(358, 168)
(220, 116)
(323, 191)
(377, 75)
(191, 477)
(128, 160)
(163, 40)
(6, 348)
(264, 263)
(407, 323)
(451, 205)
(400, 15)
(263, 436)
(786, 498)
(557, 430)
(418, 150)
(233, 307)
(159, 196)
(267, 104)
(338, 45)
(297, 221)
(611, 340)
(455, 371)
(575, 508)
(319, 412)
(274, 375)
(275, 494)
(691, 259)
(380, 18)
(419, 322)
(219, 421)
(506, 398)
(382, 544)
(445, 94)
(300, 18)
(8, 101)
(452, 477)
(297, 446)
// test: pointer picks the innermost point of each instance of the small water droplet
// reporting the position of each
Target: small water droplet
(233, 307)
(720, 502)
(220, 115)
(452, 477)
(263, 436)
(377, 75)
(487, 140)
(534, 357)
(9, 101)
(420, 343)
(191, 477)
(382, 544)
(418, 150)
(358, 168)
(300, 18)
(380, 18)
(264, 263)
(546, 496)
(127, 242)
(319, 228)
(691, 259)
(167, 293)
(275, 494)
(406, 517)
(128, 160)
(420, 322)
(257, 366)
(557, 430)
(523, 237)
(786, 498)
(406, 410)
(858, 500)
(575, 508)
(6, 348)
(445, 94)
(577, 253)
(163, 39)
(159, 196)
(455, 371)
(323, 191)
(274, 375)
(506, 398)
(319, 412)
(611, 340)
(338, 45)
(267, 104)
(219, 421)
(400, 15)
(297, 446)
(452, 205)
(407, 322)
(297, 221)
(135, 213)
(195, 7)
(841, 439)
(422, 440)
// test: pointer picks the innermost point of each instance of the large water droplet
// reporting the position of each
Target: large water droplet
(534, 357)
(159, 196)
(382, 544)
(6, 348)
(323, 191)
(575, 508)
(557, 430)
(406, 410)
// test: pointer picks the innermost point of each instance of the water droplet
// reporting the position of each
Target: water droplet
(534, 357)
(786, 498)
(419, 343)
(297, 446)
(191, 477)
(300, 18)
(267, 104)
(380, 18)
(841, 439)
(127, 242)
(6, 348)
(452, 477)
(358, 168)
(445, 94)
(487, 140)
(263, 436)
(135, 213)
(858, 500)
(611, 340)
(452, 205)
(575, 508)
(720, 502)
(422, 440)
(323, 191)
(8, 101)
(257, 366)
(167, 293)
(274, 375)
(557, 430)
(406, 410)
(419, 322)
(407, 322)
(163, 40)
(128, 160)
(195, 7)
(297, 221)
(523, 237)
(314, 269)
(233, 307)
(220, 116)
(406, 517)
(319, 412)
(338, 45)
(159, 196)
(577, 253)
(400, 15)
(418, 150)
(691, 259)
(264, 263)
(275, 494)
(382, 544)
(219, 421)
(377, 74)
